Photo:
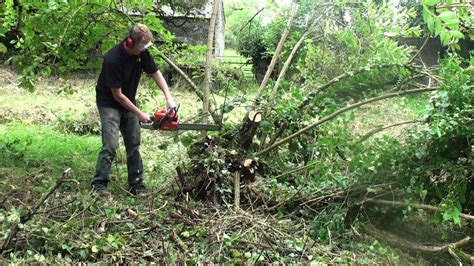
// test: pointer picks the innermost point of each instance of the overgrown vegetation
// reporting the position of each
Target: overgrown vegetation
(323, 177)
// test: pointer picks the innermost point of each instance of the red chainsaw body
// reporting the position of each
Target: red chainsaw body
(170, 124)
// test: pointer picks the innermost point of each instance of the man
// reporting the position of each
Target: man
(115, 96)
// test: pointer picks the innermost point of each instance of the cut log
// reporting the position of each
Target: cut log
(249, 170)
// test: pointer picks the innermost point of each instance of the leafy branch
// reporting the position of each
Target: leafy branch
(338, 112)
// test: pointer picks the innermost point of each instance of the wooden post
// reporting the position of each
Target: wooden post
(237, 190)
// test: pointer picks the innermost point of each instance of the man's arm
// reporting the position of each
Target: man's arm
(127, 104)
(161, 82)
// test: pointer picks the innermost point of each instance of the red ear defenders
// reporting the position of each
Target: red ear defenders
(129, 42)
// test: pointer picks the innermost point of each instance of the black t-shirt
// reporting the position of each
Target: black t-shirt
(121, 70)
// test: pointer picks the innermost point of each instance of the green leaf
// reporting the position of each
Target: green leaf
(430, 2)
(47, 71)
(447, 216)
(456, 218)
(94, 249)
(110, 238)
(456, 34)
(438, 27)
(444, 36)
(3, 49)
(447, 16)
(429, 20)
(186, 234)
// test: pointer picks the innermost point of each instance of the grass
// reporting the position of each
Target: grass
(33, 146)
(388, 112)
(234, 59)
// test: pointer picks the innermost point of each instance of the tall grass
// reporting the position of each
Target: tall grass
(26, 147)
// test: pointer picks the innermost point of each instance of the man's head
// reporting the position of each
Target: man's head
(139, 39)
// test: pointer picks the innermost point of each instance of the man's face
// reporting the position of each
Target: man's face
(141, 46)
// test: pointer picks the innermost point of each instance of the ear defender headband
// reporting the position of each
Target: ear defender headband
(130, 42)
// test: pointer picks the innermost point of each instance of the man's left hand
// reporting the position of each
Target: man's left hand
(171, 105)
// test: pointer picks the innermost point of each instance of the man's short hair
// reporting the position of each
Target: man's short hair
(140, 33)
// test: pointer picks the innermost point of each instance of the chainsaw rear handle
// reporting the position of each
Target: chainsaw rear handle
(148, 125)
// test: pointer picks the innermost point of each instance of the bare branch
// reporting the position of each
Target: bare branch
(416, 205)
(346, 75)
(418, 247)
(277, 53)
(382, 128)
(250, 20)
(186, 78)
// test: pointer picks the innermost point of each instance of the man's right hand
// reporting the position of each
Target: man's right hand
(144, 117)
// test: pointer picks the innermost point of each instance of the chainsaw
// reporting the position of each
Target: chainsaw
(168, 120)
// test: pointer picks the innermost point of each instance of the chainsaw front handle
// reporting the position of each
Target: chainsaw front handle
(175, 109)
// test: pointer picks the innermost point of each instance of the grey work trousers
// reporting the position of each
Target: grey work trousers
(112, 122)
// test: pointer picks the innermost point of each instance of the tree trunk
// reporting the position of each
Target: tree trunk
(250, 125)
(208, 72)
(220, 33)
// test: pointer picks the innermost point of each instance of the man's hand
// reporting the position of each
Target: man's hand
(171, 105)
(144, 117)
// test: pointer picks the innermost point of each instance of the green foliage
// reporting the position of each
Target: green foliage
(435, 163)
(450, 25)
(251, 43)
(8, 16)
(431, 164)
(55, 37)
(451, 110)
(237, 13)
(450, 139)
(62, 36)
